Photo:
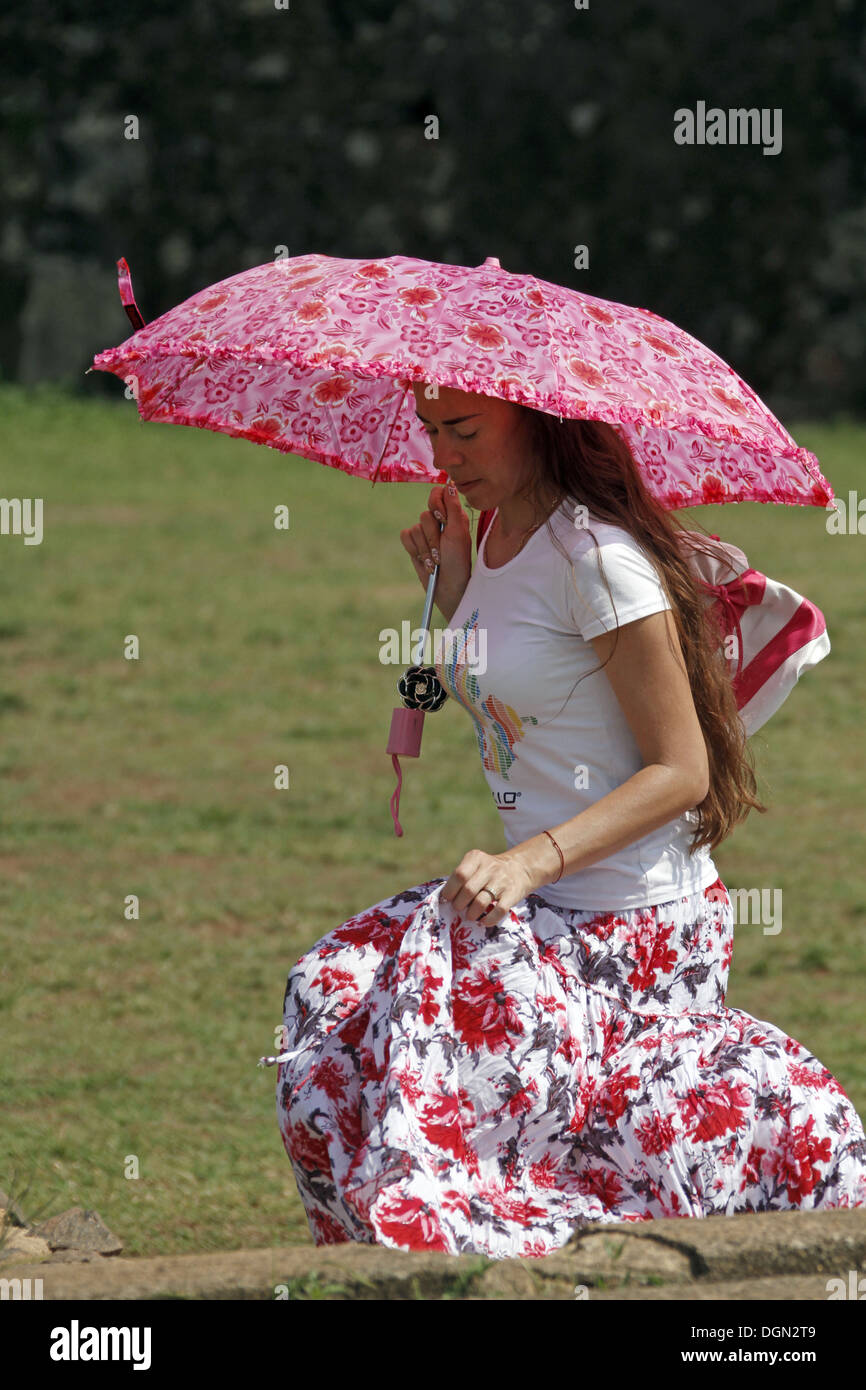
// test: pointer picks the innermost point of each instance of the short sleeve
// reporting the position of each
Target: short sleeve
(631, 577)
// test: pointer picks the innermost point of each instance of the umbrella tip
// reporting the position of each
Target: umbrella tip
(494, 261)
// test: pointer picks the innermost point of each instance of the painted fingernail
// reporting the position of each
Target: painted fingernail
(435, 553)
(438, 516)
(428, 562)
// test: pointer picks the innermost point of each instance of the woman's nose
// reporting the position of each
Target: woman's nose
(446, 455)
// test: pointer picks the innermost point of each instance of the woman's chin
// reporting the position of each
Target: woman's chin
(475, 494)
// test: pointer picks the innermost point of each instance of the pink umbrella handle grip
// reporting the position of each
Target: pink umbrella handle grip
(404, 740)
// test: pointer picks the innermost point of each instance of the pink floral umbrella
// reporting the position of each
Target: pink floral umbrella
(315, 355)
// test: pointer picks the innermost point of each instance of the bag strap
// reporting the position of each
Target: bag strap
(484, 520)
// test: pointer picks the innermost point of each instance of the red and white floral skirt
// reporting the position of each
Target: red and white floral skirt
(449, 1086)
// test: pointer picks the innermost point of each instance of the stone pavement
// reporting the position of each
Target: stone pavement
(791, 1255)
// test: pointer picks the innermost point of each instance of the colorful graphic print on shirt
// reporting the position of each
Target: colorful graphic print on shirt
(498, 727)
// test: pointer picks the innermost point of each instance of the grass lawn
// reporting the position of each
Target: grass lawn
(155, 777)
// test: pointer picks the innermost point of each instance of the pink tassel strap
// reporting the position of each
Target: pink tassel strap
(395, 798)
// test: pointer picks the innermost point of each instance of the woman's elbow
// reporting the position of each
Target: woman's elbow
(697, 787)
(691, 784)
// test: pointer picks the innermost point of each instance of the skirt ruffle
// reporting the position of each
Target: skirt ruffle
(448, 1086)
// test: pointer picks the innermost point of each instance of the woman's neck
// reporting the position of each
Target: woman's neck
(518, 515)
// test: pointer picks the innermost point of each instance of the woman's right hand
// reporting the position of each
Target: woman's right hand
(453, 545)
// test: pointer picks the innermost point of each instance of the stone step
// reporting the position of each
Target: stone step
(797, 1254)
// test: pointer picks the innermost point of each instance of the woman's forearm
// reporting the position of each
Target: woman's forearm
(650, 798)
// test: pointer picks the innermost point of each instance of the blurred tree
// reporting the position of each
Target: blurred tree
(304, 127)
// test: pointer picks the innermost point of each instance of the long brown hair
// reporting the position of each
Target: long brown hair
(589, 462)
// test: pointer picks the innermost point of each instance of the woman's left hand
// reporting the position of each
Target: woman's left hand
(504, 874)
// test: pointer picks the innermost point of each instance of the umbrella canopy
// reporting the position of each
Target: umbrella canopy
(315, 355)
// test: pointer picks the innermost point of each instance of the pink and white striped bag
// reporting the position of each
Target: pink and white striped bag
(777, 633)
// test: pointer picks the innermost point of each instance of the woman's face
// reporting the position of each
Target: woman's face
(477, 440)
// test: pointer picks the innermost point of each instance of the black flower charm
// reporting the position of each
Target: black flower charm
(421, 688)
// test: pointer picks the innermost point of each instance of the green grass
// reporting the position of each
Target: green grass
(155, 777)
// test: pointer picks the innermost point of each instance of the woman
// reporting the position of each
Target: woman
(539, 1041)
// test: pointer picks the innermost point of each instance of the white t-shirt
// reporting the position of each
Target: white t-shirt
(513, 650)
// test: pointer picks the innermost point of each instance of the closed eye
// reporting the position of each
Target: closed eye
(427, 430)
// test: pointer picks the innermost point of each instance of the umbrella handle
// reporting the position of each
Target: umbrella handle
(428, 606)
